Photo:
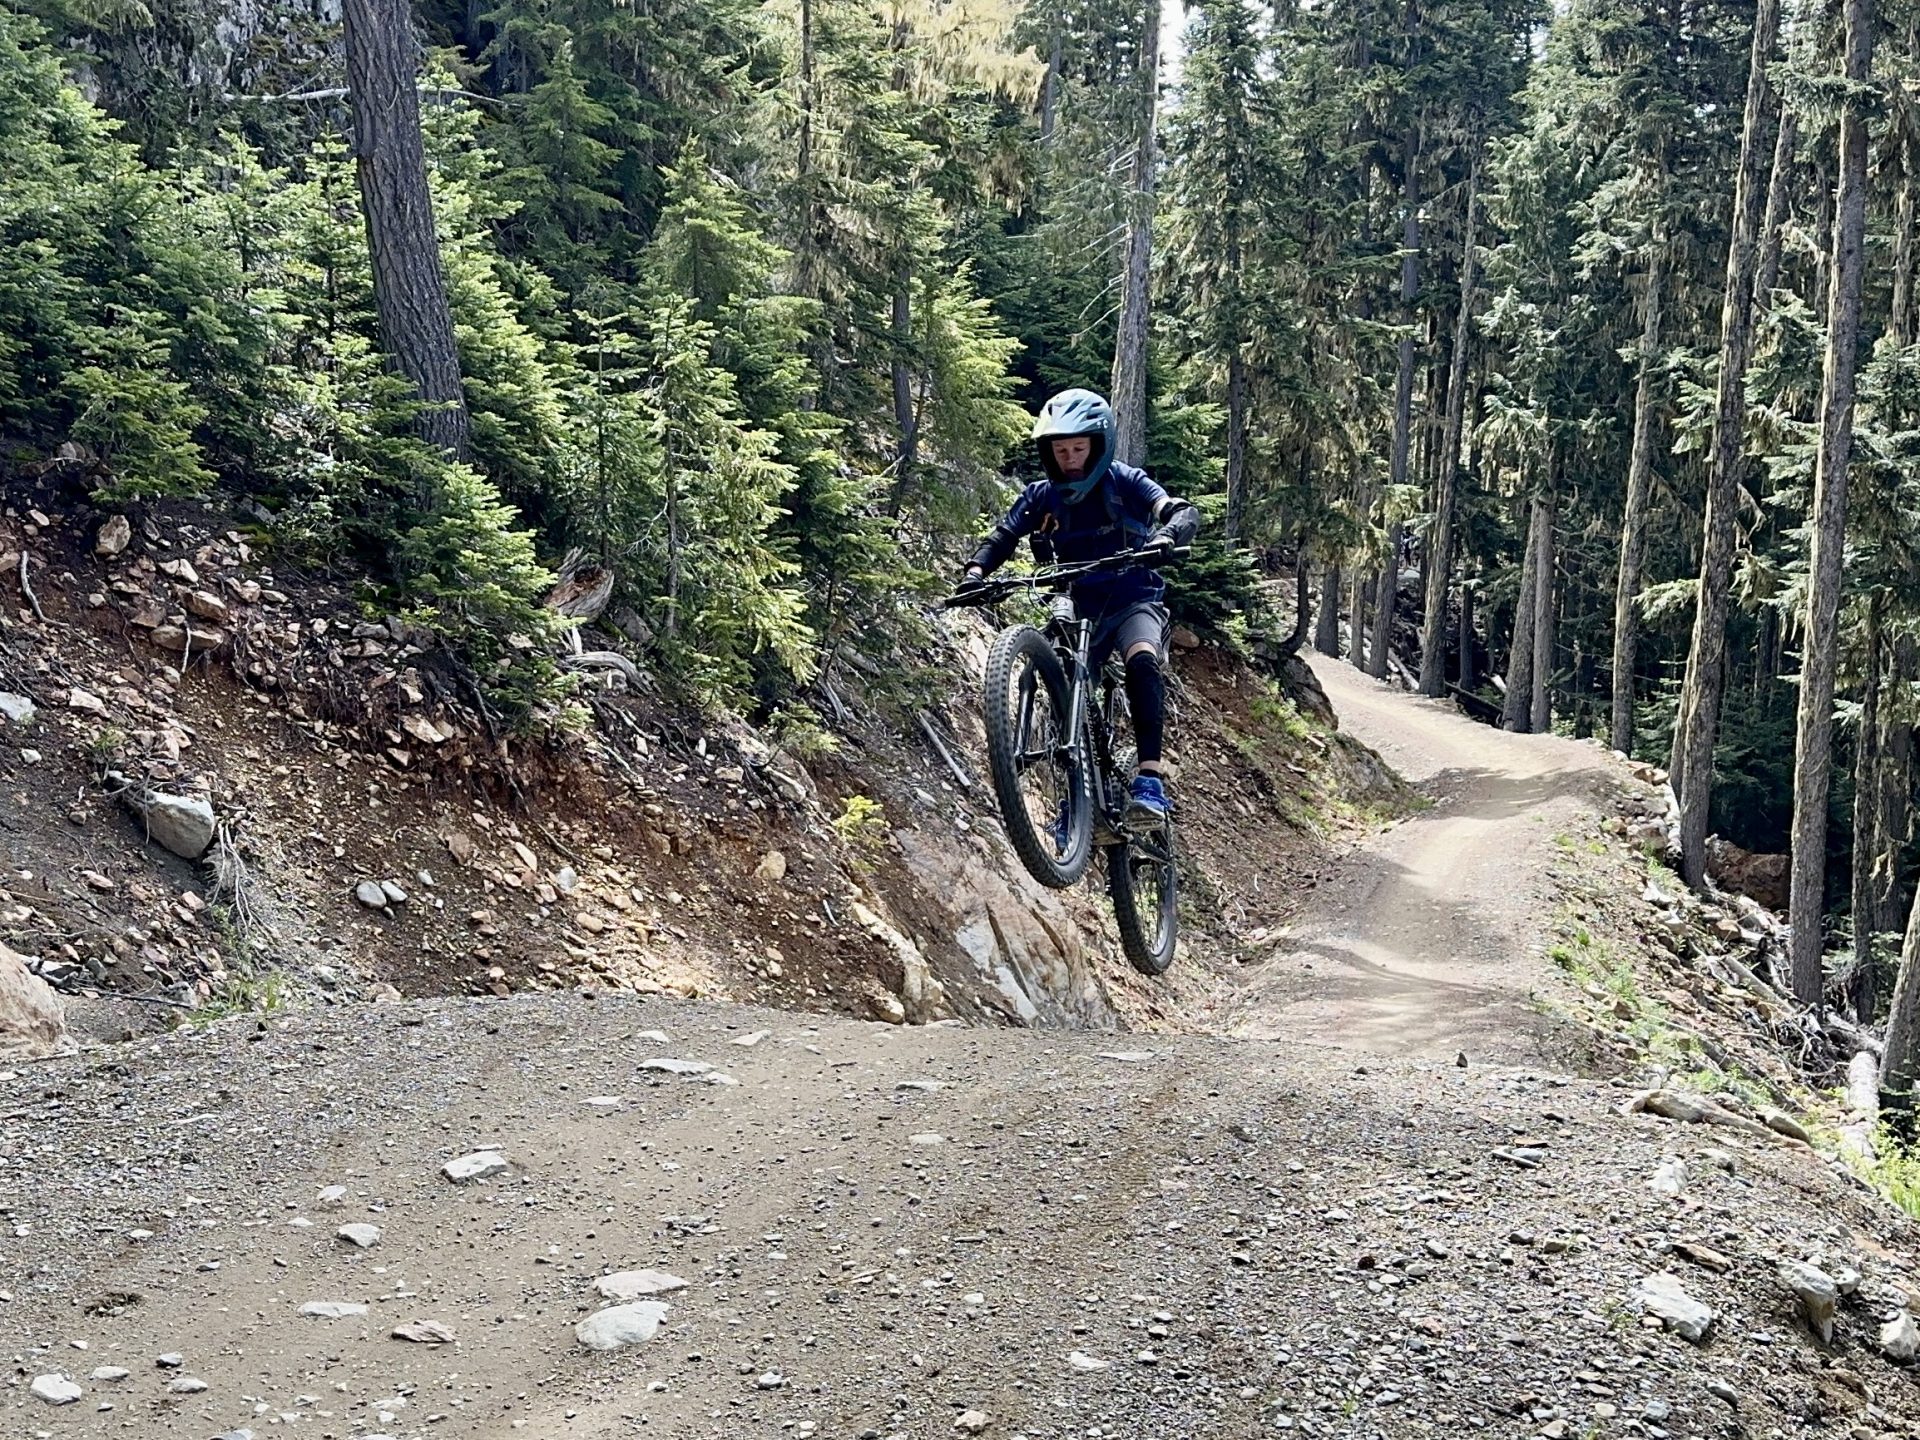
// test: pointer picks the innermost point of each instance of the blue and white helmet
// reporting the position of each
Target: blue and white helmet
(1072, 413)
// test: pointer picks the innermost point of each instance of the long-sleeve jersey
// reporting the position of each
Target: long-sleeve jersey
(1124, 509)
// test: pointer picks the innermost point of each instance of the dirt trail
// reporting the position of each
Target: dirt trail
(1429, 939)
(920, 1232)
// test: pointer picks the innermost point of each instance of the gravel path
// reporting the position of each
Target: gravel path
(1430, 940)
(911, 1232)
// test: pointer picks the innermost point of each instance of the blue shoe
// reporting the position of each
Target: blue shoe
(1147, 805)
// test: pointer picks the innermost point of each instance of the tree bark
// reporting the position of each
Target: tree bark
(1384, 601)
(1894, 791)
(1541, 718)
(1633, 521)
(1050, 87)
(1326, 632)
(1902, 314)
(1130, 341)
(1236, 516)
(409, 285)
(1386, 595)
(904, 418)
(1516, 710)
(1698, 721)
(1357, 623)
(1901, 1058)
(1779, 194)
(1866, 810)
(1467, 676)
(1433, 628)
(1813, 748)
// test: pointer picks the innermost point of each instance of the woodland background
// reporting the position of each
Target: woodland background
(1574, 345)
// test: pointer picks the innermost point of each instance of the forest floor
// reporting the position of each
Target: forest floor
(1405, 1196)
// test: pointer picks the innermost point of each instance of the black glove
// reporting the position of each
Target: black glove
(1158, 549)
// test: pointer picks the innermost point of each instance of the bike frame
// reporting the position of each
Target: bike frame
(1072, 636)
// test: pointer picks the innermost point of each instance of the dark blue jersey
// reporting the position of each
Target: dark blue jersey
(1124, 509)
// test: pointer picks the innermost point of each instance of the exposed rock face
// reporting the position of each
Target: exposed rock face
(1765, 878)
(33, 1024)
(1021, 938)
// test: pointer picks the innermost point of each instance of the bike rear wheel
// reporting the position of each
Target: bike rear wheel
(1046, 798)
(1143, 881)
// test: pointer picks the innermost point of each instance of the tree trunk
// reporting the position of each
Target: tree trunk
(1902, 314)
(1130, 341)
(1894, 792)
(1779, 194)
(1866, 811)
(1384, 601)
(904, 419)
(1302, 607)
(1813, 748)
(1357, 623)
(1698, 721)
(1326, 630)
(1433, 628)
(1542, 708)
(1467, 676)
(1236, 517)
(1901, 1058)
(1516, 711)
(1050, 87)
(409, 286)
(1633, 522)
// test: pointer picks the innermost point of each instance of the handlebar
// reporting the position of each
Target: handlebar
(988, 592)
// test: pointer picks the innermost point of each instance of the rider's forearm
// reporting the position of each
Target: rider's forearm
(1179, 519)
(994, 551)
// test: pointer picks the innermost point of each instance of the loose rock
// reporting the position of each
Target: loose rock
(972, 1422)
(1819, 1297)
(1900, 1338)
(332, 1310)
(184, 824)
(33, 1022)
(676, 1067)
(620, 1325)
(56, 1389)
(114, 537)
(372, 894)
(359, 1234)
(637, 1284)
(423, 1332)
(478, 1165)
(1665, 1298)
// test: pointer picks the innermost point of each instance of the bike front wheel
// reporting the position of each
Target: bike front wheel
(1040, 780)
(1143, 882)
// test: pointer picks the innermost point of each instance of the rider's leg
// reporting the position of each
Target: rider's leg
(1147, 698)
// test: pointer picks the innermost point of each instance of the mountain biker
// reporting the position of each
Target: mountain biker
(1088, 508)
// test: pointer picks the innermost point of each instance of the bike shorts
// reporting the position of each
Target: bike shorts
(1143, 623)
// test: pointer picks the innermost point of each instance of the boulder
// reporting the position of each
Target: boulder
(114, 537)
(33, 1023)
(1765, 878)
(1665, 1299)
(619, 1325)
(1817, 1293)
(183, 824)
(16, 709)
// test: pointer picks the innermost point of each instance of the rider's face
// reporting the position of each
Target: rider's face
(1072, 455)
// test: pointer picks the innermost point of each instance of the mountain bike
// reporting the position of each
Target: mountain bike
(1061, 749)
